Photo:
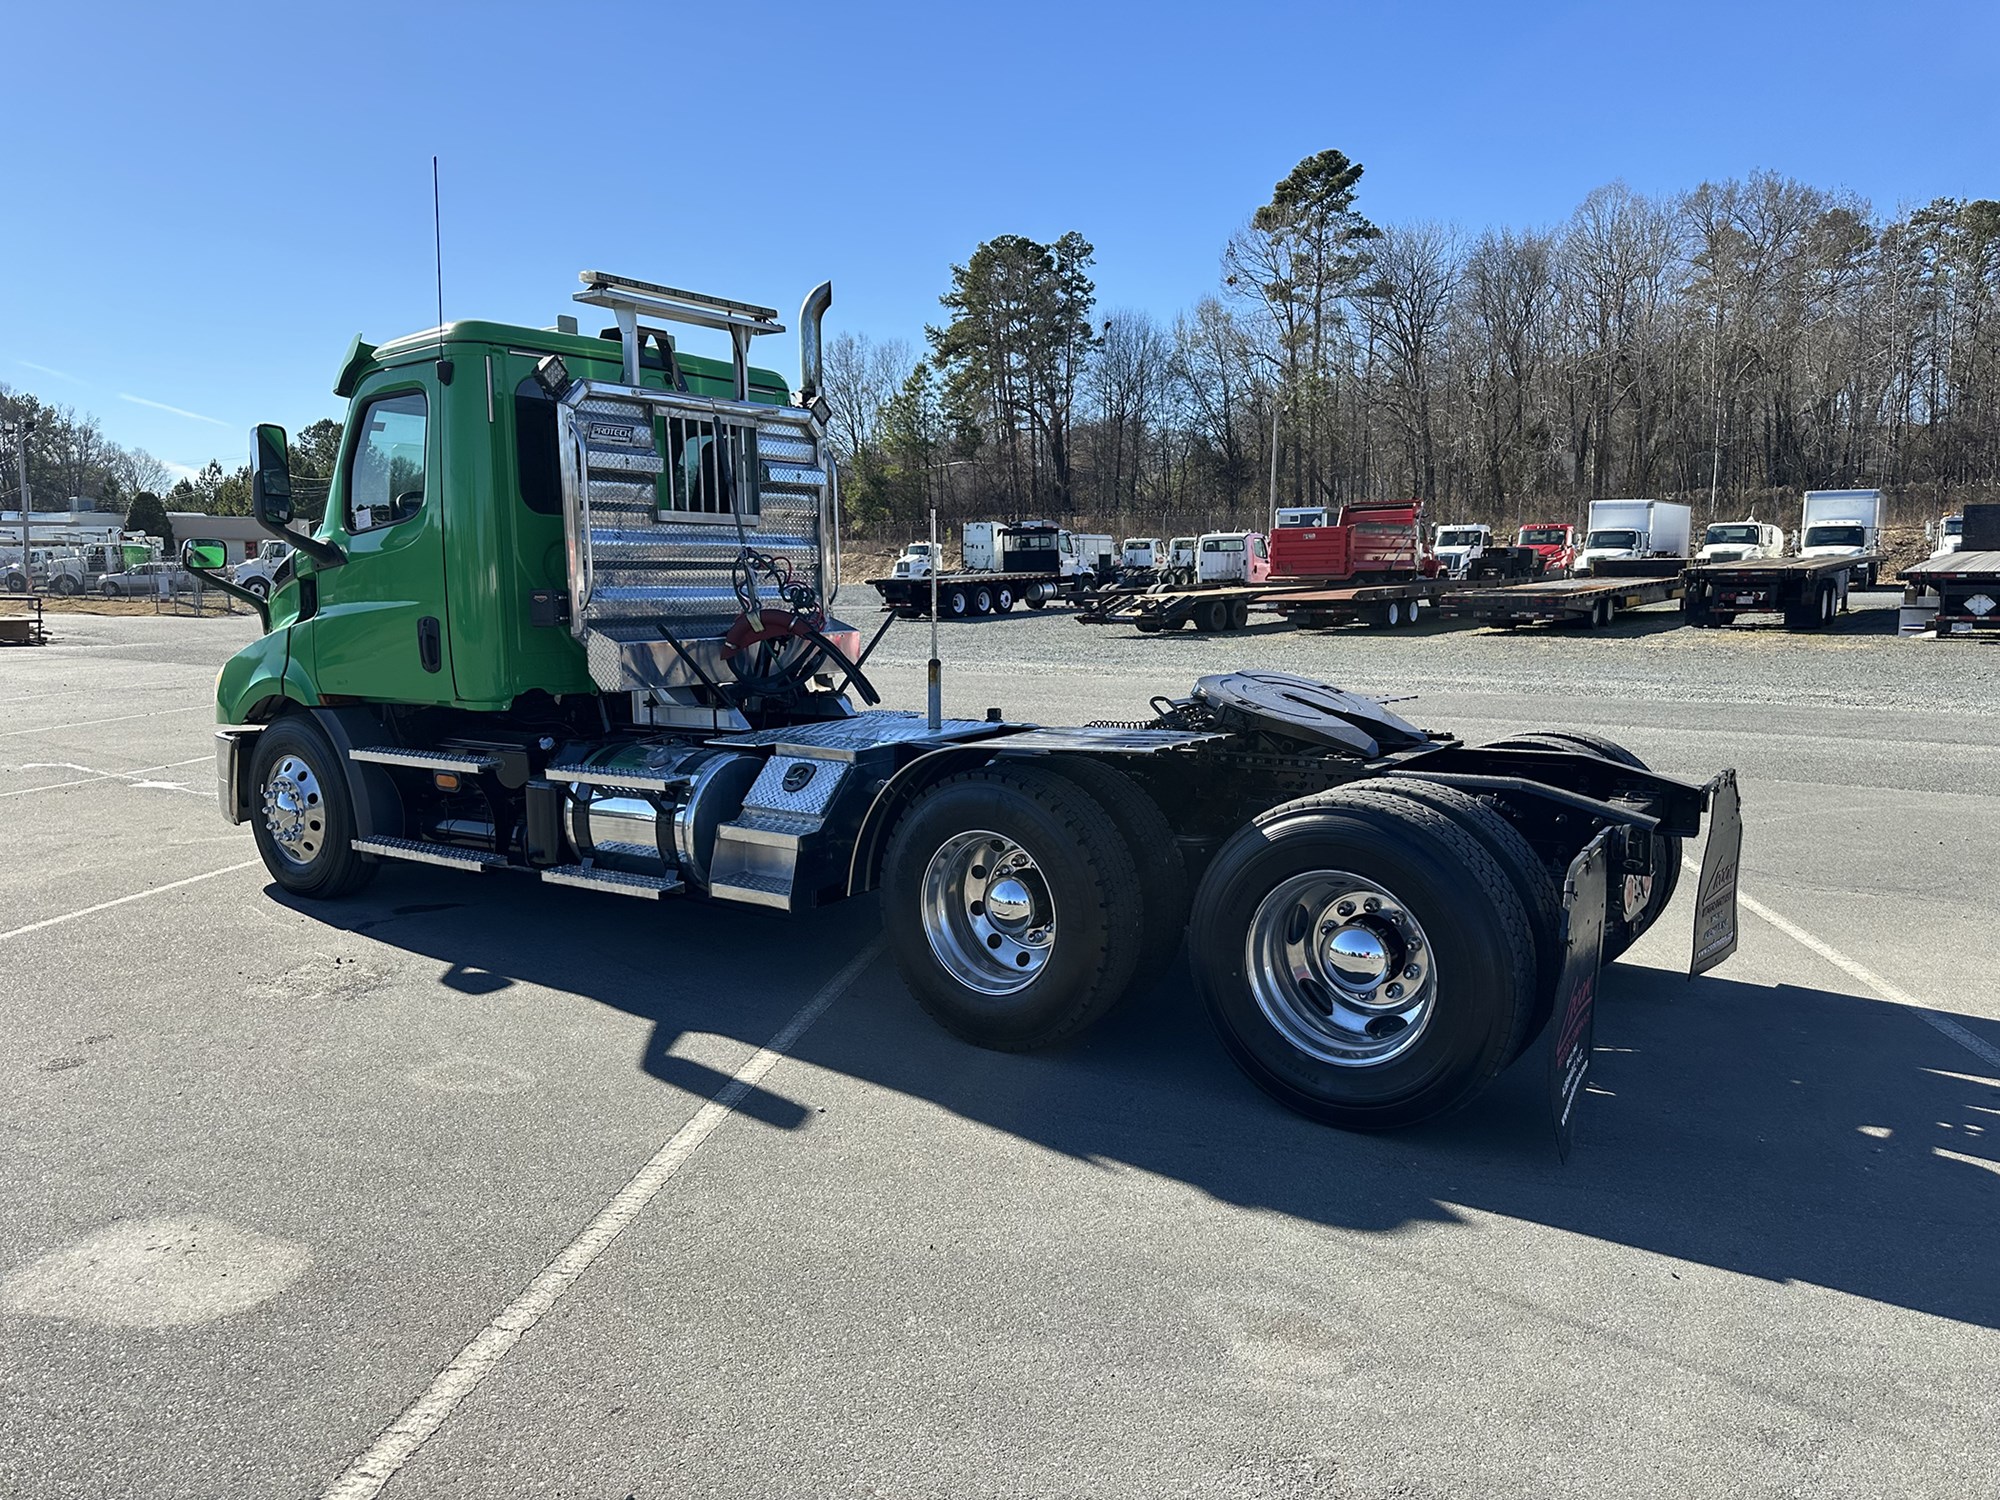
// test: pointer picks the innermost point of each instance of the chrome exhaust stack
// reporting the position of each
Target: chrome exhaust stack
(811, 312)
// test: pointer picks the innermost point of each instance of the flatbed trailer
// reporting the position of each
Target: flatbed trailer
(1388, 605)
(1808, 591)
(1559, 601)
(1957, 593)
(1212, 608)
(963, 595)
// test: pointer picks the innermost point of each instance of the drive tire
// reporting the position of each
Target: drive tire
(1211, 616)
(1540, 893)
(954, 604)
(1619, 934)
(1003, 600)
(1239, 614)
(1085, 870)
(1476, 934)
(1164, 889)
(332, 869)
(980, 601)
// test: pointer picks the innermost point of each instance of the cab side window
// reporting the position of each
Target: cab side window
(385, 472)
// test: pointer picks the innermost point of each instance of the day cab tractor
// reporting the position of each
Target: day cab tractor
(567, 620)
(1553, 542)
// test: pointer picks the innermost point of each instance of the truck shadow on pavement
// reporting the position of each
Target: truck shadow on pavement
(1786, 1133)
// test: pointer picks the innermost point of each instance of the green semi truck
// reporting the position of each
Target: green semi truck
(568, 618)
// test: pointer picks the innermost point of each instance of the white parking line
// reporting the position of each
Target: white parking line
(1856, 969)
(366, 1476)
(56, 786)
(187, 708)
(172, 885)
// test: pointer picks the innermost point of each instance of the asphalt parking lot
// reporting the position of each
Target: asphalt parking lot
(269, 1171)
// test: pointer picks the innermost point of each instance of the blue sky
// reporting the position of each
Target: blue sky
(207, 202)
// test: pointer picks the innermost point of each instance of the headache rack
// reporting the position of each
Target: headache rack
(665, 492)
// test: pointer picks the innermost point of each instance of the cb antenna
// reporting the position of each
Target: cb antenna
(437, 250)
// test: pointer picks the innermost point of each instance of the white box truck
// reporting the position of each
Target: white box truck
(1843, 523)
(1635, 529)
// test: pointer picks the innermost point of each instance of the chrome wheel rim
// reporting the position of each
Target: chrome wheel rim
(988, 912)
(295, 810)
(1340, 968)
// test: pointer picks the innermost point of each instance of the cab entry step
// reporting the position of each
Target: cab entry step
(471, 762)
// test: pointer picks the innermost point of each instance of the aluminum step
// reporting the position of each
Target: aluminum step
(752, 889)
(469, 761)
(581, 775)
(760, 826)
(618, 882)
(423, 852)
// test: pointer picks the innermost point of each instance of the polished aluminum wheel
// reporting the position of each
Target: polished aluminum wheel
(1340, 968)
(295, 809)
(988, 913)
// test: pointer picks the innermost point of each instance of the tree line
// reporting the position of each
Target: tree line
(1729, 346)
(71, 463)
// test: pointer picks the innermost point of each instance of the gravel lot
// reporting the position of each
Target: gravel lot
(267, 1170)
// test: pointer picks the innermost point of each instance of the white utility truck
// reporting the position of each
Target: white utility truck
(259, 572)
(1635, 531)
(1741, 541)
(1949, 536)
(1142, 554)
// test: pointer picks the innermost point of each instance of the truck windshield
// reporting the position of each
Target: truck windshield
(1458, 538)
(1835, 536)
(1954, 526)
(1717, 534)
(1612, 539)
(1542, 536)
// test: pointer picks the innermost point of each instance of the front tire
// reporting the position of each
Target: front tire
(302, 812)
(1365, 960)
(1013, 907)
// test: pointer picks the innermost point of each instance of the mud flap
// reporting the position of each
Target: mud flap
(1715, 919)
(1586, 889)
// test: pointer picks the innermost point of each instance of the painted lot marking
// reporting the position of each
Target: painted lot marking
(398, 1443)
(188, 708)
(172, 885)
(97, 775)
(1854, 968)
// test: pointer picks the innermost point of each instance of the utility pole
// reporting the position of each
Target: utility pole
(1276, 406)
(22, 428)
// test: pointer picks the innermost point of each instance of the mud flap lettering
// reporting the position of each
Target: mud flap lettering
(1715, 918)
(1586, 889)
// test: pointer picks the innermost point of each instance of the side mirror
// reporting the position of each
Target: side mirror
(270, 476)
(201, 552)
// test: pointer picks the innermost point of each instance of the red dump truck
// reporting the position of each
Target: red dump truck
(1367, 541)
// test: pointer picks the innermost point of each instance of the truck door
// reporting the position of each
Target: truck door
(381, 629)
